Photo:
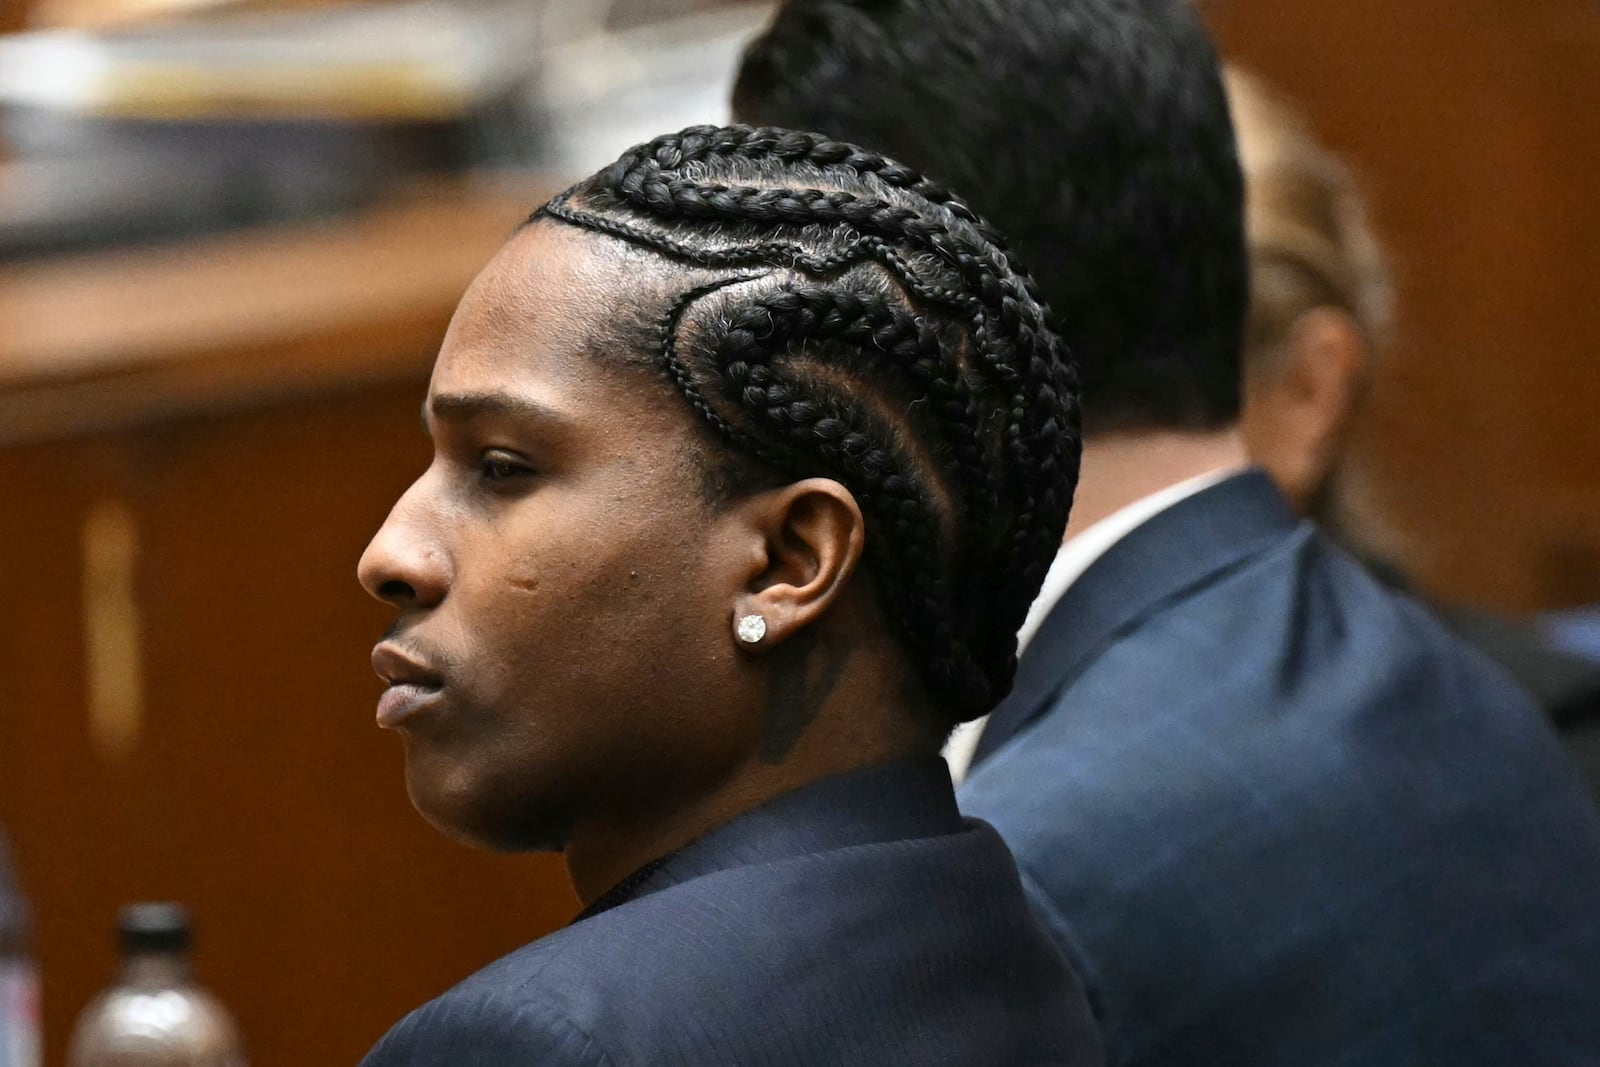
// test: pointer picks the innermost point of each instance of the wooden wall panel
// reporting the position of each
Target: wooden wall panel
(1473, 125)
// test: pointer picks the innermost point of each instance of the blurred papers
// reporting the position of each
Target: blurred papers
(427, 60)
(603, 87)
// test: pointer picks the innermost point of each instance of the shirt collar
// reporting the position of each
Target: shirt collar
(1075, 556)
(1078, 553)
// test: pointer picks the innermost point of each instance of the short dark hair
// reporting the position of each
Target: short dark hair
(837, 315)
(1094, 133)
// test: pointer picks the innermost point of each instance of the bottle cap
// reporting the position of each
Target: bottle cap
(153, 928)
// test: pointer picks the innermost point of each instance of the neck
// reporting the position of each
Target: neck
(1121, 468)
(866, 721)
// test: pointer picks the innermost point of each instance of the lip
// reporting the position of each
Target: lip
(413, 685)
(401, 703)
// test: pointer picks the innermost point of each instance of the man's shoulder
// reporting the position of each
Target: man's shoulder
(1298, 635)
(503, 1014)
(564, 998)
(1296, 672)
(1282, 763)
(567, 997)
(815, 958)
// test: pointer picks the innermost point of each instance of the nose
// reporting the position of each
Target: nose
(405, 564)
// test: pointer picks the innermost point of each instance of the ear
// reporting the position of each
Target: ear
(1299, 407)
(807, 539)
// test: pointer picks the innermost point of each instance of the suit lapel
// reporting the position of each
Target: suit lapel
(1185, 546)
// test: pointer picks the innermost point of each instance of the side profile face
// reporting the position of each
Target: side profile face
(563, 587)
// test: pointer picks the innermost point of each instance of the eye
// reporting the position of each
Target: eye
(497, 467)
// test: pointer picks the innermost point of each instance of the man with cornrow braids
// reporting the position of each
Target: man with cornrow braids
(1271, 811)
(750, 453)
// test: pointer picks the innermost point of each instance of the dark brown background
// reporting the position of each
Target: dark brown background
(252, 402)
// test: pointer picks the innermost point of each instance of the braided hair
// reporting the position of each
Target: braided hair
(841, 316)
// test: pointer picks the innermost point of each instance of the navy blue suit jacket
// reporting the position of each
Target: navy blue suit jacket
(856, 921)
(1275, 815)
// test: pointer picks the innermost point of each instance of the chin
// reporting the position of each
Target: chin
(465, 810)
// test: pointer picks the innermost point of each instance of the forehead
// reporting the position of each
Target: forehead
(544, 311)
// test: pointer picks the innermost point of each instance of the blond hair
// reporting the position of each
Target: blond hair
(1311, 241)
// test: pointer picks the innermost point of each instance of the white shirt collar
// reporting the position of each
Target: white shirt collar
(1075, 556)
(1078, 553)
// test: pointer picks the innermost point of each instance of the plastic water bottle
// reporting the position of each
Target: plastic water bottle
(155, 1015)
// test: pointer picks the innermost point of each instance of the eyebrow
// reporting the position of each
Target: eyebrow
(463, 407)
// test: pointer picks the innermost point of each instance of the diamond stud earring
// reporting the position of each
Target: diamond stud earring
(751, 629)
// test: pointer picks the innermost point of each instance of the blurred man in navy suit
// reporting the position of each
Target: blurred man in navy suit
(1271, 810)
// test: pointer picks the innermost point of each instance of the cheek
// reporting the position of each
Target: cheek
(595, 662)
(624, 550)
(593, 594)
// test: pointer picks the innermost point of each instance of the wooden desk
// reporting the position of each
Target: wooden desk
(195, 445)
(130, 338)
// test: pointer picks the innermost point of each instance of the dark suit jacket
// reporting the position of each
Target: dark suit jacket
(857, 921)
(1565, 686)
(1276, 815)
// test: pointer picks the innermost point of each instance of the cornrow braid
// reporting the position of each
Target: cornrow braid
(697, 143)
(843, 316)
